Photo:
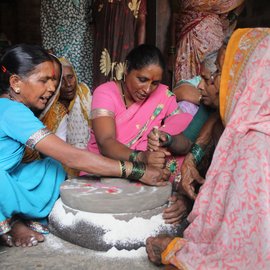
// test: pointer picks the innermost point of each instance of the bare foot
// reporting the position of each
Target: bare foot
(155, 246)
(6, 240)
(24, 236)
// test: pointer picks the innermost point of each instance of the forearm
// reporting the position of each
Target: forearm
(114, 149)
(96, 164)
(79, 159)
(206, 132)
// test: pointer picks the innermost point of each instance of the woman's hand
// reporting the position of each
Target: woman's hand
(155, 177)
(155, 246)
(190, 177)
(156, 138)
(177, 210)
(156, 159)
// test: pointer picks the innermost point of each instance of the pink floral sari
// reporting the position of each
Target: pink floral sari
(230, 221)
(200, 30)
(134, 124)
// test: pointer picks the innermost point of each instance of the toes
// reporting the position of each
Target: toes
(39, 237)
(6, 240)
(32, 242)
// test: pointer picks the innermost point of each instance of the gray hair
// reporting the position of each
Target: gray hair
(210, 61)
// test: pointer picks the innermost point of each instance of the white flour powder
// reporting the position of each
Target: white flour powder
(133, 231)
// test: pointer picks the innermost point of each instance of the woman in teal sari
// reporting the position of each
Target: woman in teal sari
(29, 190)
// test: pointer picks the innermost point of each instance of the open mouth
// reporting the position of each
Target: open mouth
(44, 99)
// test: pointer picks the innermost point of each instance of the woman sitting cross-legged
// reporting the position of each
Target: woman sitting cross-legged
(29, 190)
(125, 111)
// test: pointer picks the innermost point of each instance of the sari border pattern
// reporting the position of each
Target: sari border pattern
(37, 136)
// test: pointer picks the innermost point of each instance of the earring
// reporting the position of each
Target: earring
(17, 90)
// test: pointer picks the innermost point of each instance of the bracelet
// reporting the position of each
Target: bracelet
(123, 169)
(138, 170)
(133, 156)
(168, 141)
(197, 153)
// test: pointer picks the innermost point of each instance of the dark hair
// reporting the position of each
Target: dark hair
(21, 60)
(144, 55)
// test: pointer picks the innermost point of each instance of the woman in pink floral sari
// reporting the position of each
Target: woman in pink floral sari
(201, 26)
(230, 222)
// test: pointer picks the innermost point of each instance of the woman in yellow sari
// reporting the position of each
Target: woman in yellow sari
(70, 113)
(230, 221)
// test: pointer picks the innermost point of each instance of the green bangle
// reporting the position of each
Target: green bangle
(138, 171)
(123, 169)
(133, 156)
(168, 141)
(197, 153)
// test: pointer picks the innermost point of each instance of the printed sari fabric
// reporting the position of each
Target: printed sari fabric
(28, 190)
(200, 30)
(66, 29)
(134, 124)
(230, 221)
(115, 22)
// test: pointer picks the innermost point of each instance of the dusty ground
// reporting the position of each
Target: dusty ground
(56, 254)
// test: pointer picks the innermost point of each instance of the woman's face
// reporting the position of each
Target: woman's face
(209, 87)
(68, 85)
(210, 83)
(38, 87)
(141, 83)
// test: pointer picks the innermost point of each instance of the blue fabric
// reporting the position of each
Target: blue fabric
(28, 189)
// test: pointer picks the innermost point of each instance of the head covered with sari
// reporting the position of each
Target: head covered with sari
(230, 221)
(201, 28)
(82, 92)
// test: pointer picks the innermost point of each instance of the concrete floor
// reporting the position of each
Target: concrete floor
(56, 254)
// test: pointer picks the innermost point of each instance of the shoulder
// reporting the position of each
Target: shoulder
(85, 87)
(107, 89)
(8, 106)
(107, 86)
(164, 89)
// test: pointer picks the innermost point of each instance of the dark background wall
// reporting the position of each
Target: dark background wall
(20, 19)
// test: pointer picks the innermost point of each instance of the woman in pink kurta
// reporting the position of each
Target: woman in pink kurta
(230, 222)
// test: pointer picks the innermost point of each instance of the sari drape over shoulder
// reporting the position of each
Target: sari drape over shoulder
(135, 123)
(200, 30)
(230, 221)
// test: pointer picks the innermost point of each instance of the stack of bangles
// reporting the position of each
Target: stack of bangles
(134, 156)
(137, 172)
(197, 153)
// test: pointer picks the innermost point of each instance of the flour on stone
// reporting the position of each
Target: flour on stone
(116, 231)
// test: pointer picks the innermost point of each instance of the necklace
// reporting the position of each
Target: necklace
(123, 94)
